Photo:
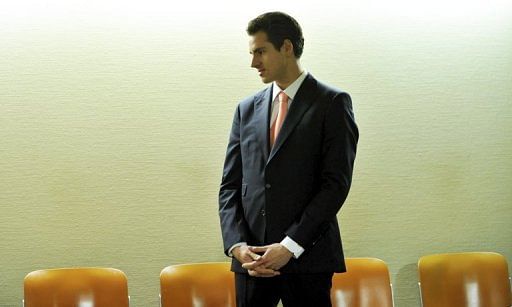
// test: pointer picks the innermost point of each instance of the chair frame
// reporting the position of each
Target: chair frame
(227, 264)
(348, 260)
(456, 253)
(76, 269)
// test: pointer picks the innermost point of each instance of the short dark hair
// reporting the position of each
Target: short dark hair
(278, 26)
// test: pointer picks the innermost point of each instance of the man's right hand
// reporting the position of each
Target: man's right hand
(244, 255)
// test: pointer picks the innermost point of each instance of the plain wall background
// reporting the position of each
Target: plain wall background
(114, 119)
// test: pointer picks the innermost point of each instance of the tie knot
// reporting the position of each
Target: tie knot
(283, 98)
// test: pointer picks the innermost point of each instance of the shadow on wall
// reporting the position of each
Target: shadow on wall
(405, 287)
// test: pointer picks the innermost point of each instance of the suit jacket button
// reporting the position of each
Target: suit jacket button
(263, 212)
(268, 186)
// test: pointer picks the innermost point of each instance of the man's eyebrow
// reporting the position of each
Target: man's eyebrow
(257, 50)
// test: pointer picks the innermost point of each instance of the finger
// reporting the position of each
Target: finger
(258, 249)
(265, 272)
(275, 267)
(254, 256)
(268, 258)
(251, 265)
(258, 274)
(253, 273)
(248, 265)
(265, 275)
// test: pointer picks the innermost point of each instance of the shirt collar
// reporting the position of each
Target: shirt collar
(291, 90)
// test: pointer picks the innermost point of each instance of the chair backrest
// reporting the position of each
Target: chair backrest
(464, 279)
(76, 287)
(199, 284)
(365, 284)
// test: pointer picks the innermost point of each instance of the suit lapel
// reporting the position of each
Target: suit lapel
(262, 116)
(300, 104)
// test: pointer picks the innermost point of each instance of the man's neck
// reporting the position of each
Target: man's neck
(292, 75)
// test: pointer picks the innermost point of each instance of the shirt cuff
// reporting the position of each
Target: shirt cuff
(293, 247)
(230, 254)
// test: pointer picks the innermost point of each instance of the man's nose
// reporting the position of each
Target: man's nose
(254, 63)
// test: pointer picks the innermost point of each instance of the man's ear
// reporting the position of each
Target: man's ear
(287, 47)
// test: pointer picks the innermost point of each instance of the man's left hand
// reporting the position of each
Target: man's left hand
(274, 257)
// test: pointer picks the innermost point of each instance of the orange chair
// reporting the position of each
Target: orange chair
(464, 279)
(200, 284)
(365, 284)
(76, 287)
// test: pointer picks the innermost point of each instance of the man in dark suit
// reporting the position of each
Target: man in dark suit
(287, 172)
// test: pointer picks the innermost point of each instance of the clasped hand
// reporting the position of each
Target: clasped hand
(274, 257)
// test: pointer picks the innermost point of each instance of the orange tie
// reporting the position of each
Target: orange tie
(283, 110)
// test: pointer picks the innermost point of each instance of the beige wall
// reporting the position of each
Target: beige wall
(114, 120)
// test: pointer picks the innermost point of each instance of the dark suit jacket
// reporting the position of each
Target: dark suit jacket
(296, 188)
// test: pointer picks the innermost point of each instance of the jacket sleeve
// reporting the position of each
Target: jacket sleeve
(232, 219)
(338, 154)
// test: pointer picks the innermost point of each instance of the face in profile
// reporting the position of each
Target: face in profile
(270, 62)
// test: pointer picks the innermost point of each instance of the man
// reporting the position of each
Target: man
(288, 170)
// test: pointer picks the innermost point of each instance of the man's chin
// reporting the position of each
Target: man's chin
(266, 80)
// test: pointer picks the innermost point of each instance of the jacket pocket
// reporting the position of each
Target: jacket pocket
(244, 189)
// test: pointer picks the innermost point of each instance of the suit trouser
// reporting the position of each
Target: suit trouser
(294, 290)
